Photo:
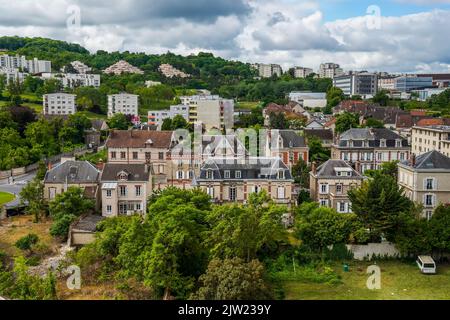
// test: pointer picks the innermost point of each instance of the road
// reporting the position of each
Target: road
(15, 188)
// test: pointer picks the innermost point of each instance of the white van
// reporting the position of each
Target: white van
(426, 264)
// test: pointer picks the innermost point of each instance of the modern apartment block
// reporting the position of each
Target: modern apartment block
(412, 82)
(366, 148)
(59, 104)
(426, 180)
(74, 80)
(210, 110)
(80, 67)
(363, 84)
(268, 70)
(156, 118)
(13, 74)
(330, 70)
(301, 72)
(124, 103)
(428, 138)
(32, 66)
(330, 183)
(228, 180)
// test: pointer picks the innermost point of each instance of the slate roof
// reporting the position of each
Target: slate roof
(88, 223)
(372, 135)
(136, 172)
(290, 138)
(139, 139)
(251, 168)
(327, 170)
(430, 160)
(72, 172)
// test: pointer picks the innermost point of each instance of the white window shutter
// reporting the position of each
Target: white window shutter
(435, 184)
(346, 207)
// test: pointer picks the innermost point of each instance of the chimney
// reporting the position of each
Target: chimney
(49, 165)
(413, 160)
(314, 167)
(357, 166)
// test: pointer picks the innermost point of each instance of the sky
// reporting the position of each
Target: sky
(372, 35)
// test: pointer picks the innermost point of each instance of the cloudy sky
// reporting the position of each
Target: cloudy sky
(375, 35)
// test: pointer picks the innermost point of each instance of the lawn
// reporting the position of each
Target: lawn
(246, 104)
(399, 281)
(5, 197)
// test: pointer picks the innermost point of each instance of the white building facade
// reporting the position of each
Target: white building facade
(59, 104)
(127, 104)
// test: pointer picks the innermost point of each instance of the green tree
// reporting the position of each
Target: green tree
(33, 194)
(300, 172)
(379, 204)
(381, 98)
(178, 122)
(65, 208)
(233, 279)
(27, 242)
(317, 152)
(52, 86)
(119, 121)
(374, 123)
(242, 231)
(334, 97)
(278, 121)
(440, 229)
(346, 121)
(167, 124)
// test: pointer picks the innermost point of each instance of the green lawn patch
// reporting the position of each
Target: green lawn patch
(399, 281)
(6, 197)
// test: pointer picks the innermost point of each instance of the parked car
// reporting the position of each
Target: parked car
(426, 264)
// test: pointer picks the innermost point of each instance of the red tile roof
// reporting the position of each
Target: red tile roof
(430, 122)
(139, 139)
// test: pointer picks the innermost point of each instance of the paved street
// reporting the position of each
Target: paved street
(16, 187)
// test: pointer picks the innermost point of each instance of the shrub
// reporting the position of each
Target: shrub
(26, 242)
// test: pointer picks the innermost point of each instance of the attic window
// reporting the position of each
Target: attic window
(123, 175)
(398, 143)
(149, 141)
(73, 172)
(281, 174)
(383, 143)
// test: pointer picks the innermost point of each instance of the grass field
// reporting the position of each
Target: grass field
(14, 228)
(5, 197)
(247, 104)
(399, 281)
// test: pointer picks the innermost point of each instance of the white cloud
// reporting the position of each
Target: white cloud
(288, 32)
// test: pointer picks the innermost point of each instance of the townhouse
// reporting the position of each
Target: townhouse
(287, 145)
(368, 148)
(228, 180)
(426, 180)
(125, 189)
(71, 173)
(330, 183)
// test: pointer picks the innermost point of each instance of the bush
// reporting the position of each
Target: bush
(26, 242)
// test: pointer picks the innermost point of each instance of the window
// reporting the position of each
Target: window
(191, 174)
(398, 143)
(339, 188)
(238, 174)
(209, 174)
(429, 200)
(429, 183)
(280, 192)
(428, 214)
(52, 192)
(256, 189)
(108, 208)
(123, 191)
(226, 174)
(341, 207)
(324, 188)
(161, 155)
(109, 193)
(179, 175)
(123, 155)
(323, 202)
(113, 155)
(138, 206)
(232, 191)
(135, 155)
(210, 191)
(138, 190)
(382, 143)
(148, 155)
(281, 174)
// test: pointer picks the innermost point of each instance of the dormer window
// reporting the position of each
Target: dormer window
(122, 175)
(238, 174)
(366, 143)
(383, 143)
(209, 174)
(281, 174)
(226, 174)
(398, 143)
(350, 143)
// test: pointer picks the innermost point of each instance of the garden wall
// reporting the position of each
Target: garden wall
(366, 251)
